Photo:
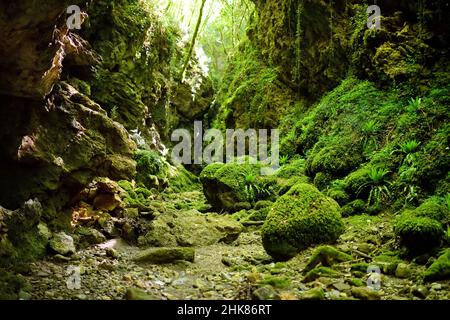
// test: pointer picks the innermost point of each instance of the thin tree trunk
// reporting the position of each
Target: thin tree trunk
(194, 38)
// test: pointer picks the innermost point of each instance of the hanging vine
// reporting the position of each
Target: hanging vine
(298, 42)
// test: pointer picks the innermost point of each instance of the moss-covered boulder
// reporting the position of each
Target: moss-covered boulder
(440, 269)
(418, 234)
(165, 255)
(190, 228)
(226, 185)
(301, 218)
(422, 229)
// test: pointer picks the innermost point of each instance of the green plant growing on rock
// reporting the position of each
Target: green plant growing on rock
(255, 189)
(447, 200)
(370, 127)
(151, 168)
(379, 186)
(409, 147)
(414, 105)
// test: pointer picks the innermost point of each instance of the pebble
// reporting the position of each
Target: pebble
(365, 293)
(436, 286)
(403, 271)
(420, 291)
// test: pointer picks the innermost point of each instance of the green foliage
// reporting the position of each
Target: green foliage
(276, 282)
(409, 146)
(377, 175)
(447, 200)
(135, 196)
(415, 104)
(251, 94)
(151, 168)
(370, 127)
(255, 188)
(355, 207)
(379, 186)
(298, 219)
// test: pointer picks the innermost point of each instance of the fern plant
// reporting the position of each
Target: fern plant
(410, 146)
(284, 159)
(379, 186)
(254, 189)
(414, 104)
(369, 134)
(370, 127)
(447, 200)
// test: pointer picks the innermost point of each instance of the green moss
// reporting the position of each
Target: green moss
(181, 180)
(225, 185)
(356, 182)
(418, 234)
(259, 215)
(440, 269)
(355, 207)
(300, 218)
(432, 162)
(357, 282)
(336, 155)
(276, 282)
(433, 208)
(251, 94)
(295, 168)
(135, 196)
(263, 204)
(339, 195)
(210, 171)
(151, 168)
(326, 256)
(10, 285)
(359, 267)
(319, 272)
(322, 180)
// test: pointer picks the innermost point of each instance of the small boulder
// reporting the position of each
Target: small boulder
(107, 202)
(403, 271)
(364, 293)
(90, 236)
(62, 244)
(265, 293)
(165, 255)
(137, 294)
(440, 269)
(313, 294)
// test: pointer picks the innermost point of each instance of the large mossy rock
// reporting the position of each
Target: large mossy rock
(224, 185)
(440, 269)
(232, 186)
(301, 218)
(422, 229)
(190, 229)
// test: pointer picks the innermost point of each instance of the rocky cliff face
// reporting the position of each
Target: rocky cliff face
(316, 42)
(54, 138)
(307, 47)
(76, 104)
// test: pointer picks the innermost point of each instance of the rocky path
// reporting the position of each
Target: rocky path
(236, 270)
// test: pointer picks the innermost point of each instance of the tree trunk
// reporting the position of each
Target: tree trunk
(194, 38)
